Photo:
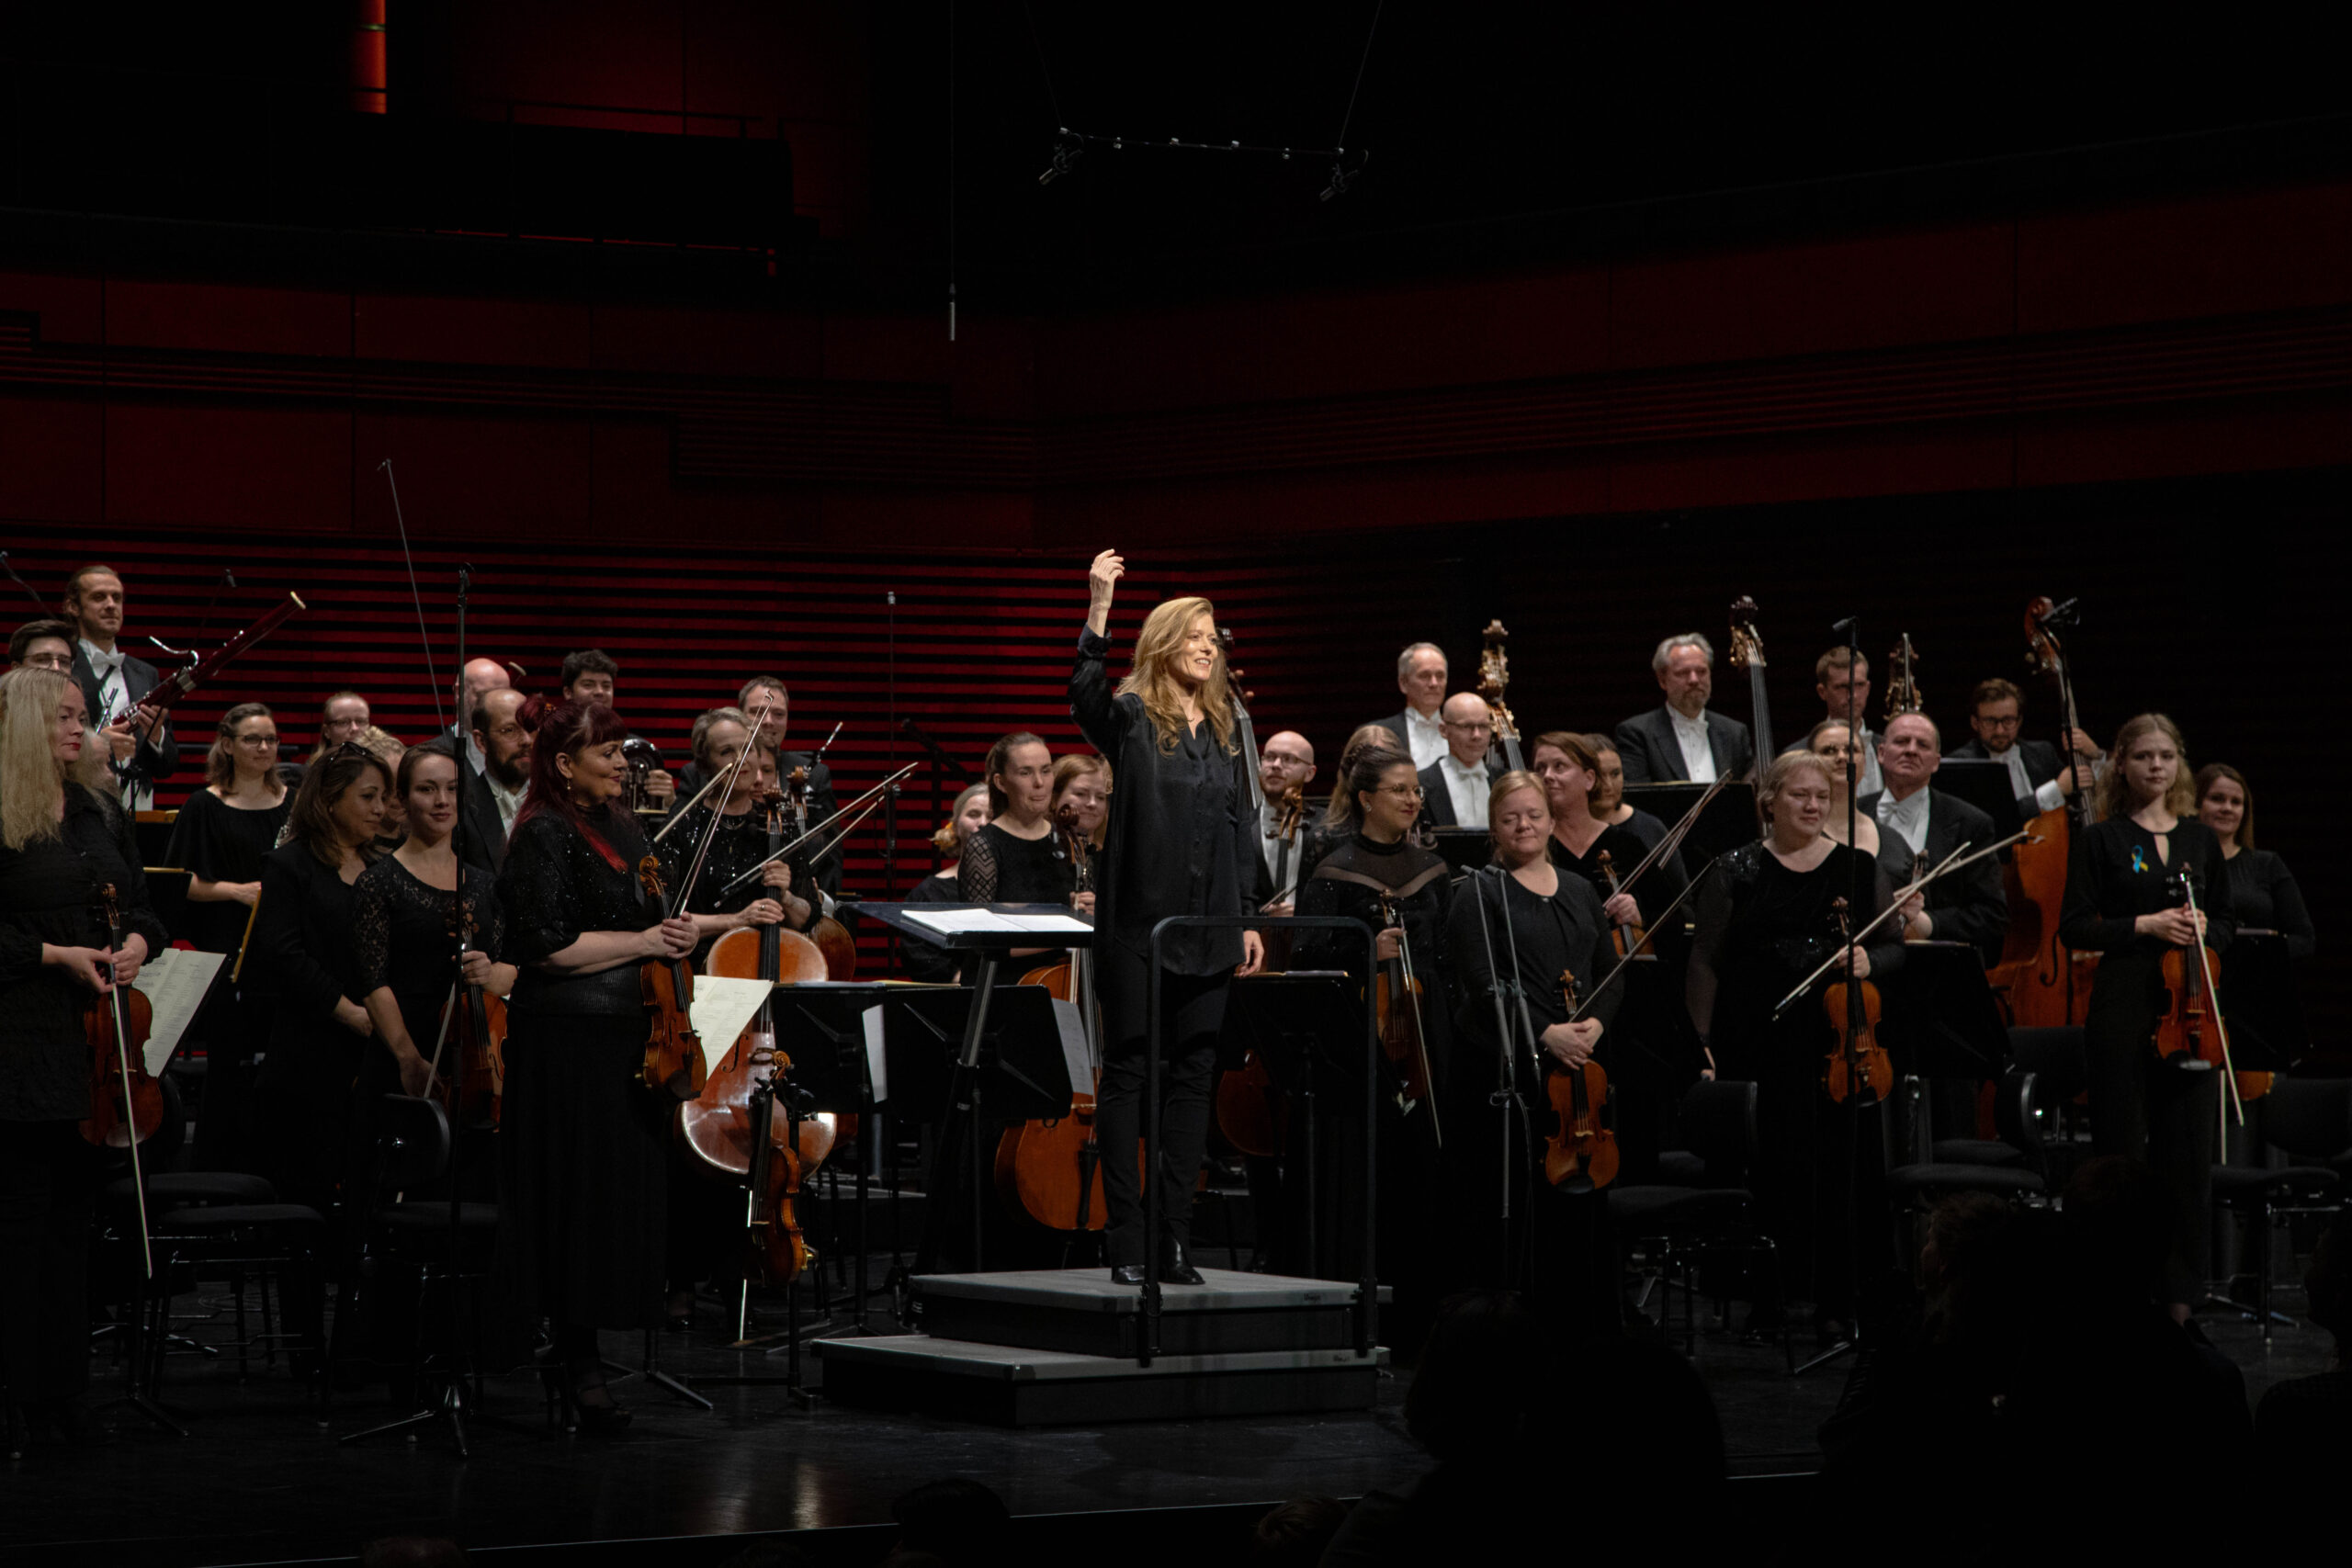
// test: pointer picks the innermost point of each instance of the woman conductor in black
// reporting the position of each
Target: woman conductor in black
(1180, 841)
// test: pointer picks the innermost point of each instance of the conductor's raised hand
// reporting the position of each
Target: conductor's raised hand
(1103, 577)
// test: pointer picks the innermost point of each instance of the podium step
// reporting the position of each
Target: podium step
(1014, 1385)
(1080, 1311)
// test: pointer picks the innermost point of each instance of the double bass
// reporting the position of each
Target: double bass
(1857, 1063)
(1580, 1150)
(2044, 984)
(1494, 679)
(1049, 1171)
(1903, 693)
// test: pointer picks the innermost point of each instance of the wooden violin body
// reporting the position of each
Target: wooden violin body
(1398, 996)
(1628, 938)
(120, 1069)
(674, 1064)
(1580, 1150)
(1857, 1063)
(2184, 1031)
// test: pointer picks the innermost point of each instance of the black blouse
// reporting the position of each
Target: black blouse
(1183, 829)
(2263, 896)
(1002, 868)
(220, 842)
(1531, 940)
(400, 925)
(1659, 886)
(1762, 928)
(304, 956)
(740, 843)
(47, 892)
(2115, 876)
(1344, 884)
(555, 885)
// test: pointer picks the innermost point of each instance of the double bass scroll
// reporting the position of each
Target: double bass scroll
(1494, 679)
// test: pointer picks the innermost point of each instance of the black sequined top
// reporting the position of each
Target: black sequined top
(555, 885)
(740, 843)
(402, 929)
(46, 892)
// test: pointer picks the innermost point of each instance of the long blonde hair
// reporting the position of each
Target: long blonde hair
(1153, 679)
(2115, 790)
(32, 784)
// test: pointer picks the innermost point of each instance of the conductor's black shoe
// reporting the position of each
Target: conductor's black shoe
(1126, 1274)
(1175, 1269)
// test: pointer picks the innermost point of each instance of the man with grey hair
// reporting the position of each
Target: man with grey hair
(1681, 738)
(1918, 827)
(1420, 675)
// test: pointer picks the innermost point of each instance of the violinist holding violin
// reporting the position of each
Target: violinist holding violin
(1513, 929)
(742, 841)
(1767, 916)
(59, 843)
(1182, 839)
(2124, 901)
(583, 1146)
(402, 915)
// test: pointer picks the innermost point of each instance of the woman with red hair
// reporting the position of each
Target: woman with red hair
(582, 1143)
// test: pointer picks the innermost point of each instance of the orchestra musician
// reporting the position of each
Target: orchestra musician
(482, 677)
(343, 716)
(582, 1145)
(1016, 857)
(740, 842)
(402, 912)
(1453, 788)
(591, 675)
(392, 748)
(220, 839)
(1841, 678)
(1381, 858)
(1420, 730)
(2124, 901)
(1830, 742)
(1517, 926)
(2262, 892)
(1766, 919)
(113, 682)
(1682, 737)
(1653, 1058)
(43, 645)
(499, 751)
(1918, 827)
(304, 970)
(2042, 779)
(1181, 840)
(1082, 783)
(928, 961)
(1285, 762)
(60, 841)
(1330, 828)
(1608, 801)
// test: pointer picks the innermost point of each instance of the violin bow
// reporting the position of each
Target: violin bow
(1674, 836)
(843, 821)
(2213, 999)
(679, 815)
(1649, 930)
(1952, 862)
(710, 828)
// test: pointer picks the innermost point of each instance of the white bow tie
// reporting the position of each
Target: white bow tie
(104, 664)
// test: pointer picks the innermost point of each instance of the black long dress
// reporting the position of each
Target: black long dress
(1556, 1245)
(401, 927)
(220, 842)
(1820, 1178)
(302, 962)
(1654, 1056)
(1181, 840)
(1348, 882)
(2259, 987)
(47, 1172)
(582, 1145)
(2141, 1106)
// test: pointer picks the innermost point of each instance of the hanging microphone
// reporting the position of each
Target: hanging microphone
(229, 577)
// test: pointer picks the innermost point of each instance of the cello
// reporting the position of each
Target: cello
(1494, 679)
(1858, 1062)
(1580, 1151)
(1049, 1171)
(2044, 984)
(1397, 1001)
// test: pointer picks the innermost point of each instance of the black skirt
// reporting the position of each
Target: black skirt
(582, 1178)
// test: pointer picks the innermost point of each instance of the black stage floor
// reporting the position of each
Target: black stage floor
(260, 1480)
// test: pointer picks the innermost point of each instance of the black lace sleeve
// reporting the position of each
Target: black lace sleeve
(487, 914)
(976, 878)
(371, 924)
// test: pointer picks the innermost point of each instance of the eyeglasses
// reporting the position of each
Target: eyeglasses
(1403, 792)
(61, 662)
(268, 740)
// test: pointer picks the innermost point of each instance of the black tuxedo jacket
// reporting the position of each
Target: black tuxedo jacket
(2042, 764)
(158, 757)
(1968, 905)
(485, 836)
(1652, 755)
(1437, 801)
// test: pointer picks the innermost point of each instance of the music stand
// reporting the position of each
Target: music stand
(2267, 1032)
(1294, 1024)
(1463, 847)
(1942, 1016)
(1986, 786)
(1728, 822)
(1009, 1053)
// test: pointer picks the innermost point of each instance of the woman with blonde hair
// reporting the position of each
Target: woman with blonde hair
(1181, 839)
(59, 843)
(2128, 885)
(925, 960)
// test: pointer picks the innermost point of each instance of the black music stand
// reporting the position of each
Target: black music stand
(1009, 1053)
(1368, 1286)
(1295, 1023)
(1941, 1015)
(2267, 1031)
(1463, 847)
(1986, 786)
(1728, 822)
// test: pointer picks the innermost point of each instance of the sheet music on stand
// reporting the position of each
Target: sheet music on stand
(174, 982)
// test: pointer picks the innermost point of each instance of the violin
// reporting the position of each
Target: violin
(1858, 1062)
(126, 1104)
(2043, 983)
(776, 1251)
(1903, 687)
(1396, 1000)
(479, 1020)
(1494, 677)
(832, 939)
(1050, 1171)
(1627, 938)
(674, 1064)
(1580, 1151)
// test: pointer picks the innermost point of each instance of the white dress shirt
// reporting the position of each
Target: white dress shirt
(1907, 818)
(1691, 734)
(509, 802)
(114, 700)
(1425, 737)
(1467, 787)
(2046, 797)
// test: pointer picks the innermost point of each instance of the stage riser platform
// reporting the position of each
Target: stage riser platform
(1121, 1334)
(910, 1376)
